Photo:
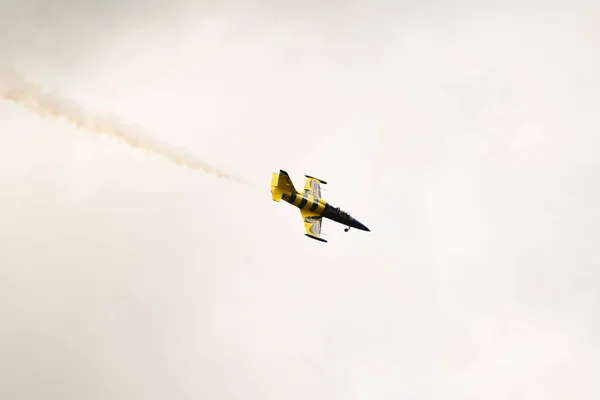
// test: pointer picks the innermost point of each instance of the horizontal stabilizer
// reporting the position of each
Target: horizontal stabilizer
(281, 185)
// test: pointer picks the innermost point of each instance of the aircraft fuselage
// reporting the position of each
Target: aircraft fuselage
(308, 202)
(313, 208)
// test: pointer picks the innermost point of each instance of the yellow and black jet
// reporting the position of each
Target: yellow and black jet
(313, 207)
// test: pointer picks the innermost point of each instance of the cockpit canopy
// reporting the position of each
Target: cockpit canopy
(342, 213)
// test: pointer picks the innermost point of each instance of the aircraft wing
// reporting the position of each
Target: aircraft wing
(312, 224)
(313, 186)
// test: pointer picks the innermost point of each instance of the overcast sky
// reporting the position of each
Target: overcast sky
(464, 136)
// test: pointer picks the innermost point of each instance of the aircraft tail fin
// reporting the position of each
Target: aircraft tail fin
(281, 184)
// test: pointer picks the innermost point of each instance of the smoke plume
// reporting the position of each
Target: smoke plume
(14, 87)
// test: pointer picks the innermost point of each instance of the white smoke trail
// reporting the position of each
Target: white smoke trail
(13, 87)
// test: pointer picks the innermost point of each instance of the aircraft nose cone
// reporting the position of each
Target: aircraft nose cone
(361, 226)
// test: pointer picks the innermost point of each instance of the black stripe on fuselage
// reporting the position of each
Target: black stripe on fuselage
(315, 205)
(303, 202)
(292, 198)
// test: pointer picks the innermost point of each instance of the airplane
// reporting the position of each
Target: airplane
(313, 207)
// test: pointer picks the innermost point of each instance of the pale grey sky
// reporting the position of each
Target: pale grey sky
(465, 137)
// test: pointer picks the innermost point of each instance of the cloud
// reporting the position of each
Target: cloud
(463, 136)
